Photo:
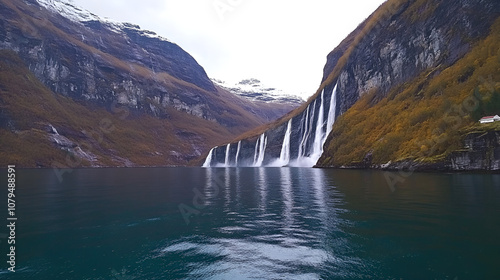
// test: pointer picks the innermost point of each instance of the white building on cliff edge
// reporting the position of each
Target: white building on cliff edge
(489, 119)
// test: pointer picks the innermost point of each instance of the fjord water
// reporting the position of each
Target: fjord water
(254, 223)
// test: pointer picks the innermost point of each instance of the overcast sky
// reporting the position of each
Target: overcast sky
(282, 43)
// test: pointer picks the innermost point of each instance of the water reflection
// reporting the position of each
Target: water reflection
(238, 186)
(280, 238)
(212, 188)
(262, 184)
(258, 223)
(286, 189)
(319, 195)
(227, 188)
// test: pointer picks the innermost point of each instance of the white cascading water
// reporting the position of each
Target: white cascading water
(256, 154)
(331, 112)
(285, 148)
(208, 160)
(317, 148)
(310, 128)
(308, 153)
(237, 154)
(262, 150)
(307, 133)
(310, 158)
(305, 121)
(226, 161)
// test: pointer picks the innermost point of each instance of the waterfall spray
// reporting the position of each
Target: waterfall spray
(285, 148)
(316, 123)
(226, 161)
(331, 112)
(318, 134)
(237, 154)
(208, 160)
(256, 154)
(305, 118)
(262, 150)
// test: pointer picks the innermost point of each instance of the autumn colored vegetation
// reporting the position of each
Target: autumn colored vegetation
(113, 134)
(426, 118)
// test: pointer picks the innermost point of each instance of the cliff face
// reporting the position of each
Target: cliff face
(403, 39)
(481, 152)
(405, 81)
(89, 59)
(119, 72)
(413, 82)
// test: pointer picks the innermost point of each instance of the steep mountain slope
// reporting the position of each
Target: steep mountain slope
(400, 88)
(165, 109)
(40, 128)
(416, 95)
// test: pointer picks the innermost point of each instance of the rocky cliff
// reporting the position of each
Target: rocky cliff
(481, 152)
(404, 84)
(154, 90)
(413, 82)
(404, 39)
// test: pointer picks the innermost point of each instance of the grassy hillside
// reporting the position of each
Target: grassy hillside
(424, 119)
(113, 134)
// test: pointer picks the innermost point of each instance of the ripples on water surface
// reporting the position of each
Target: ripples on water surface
(255, 223)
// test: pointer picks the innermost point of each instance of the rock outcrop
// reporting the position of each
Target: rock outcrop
(481, 152)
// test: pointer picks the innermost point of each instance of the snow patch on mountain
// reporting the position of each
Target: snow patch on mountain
(254, 90)
(76, 14)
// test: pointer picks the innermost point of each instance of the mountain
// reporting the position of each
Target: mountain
(404, 90)
(273, 103)
(77, 90)
(254, 90)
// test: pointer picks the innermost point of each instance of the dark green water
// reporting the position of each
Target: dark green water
(253, 223)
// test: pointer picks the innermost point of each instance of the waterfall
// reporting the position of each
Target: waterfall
(318, 135)
(309, 153)
(285, 148)
(315, 124)
(305, 118)
(331, 112)
(226, 161)
(256, 154)
(310, 128)
(309, 121)
(237, 154)
(262, 149)
(208, 160)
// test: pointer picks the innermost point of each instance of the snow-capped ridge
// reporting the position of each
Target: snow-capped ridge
(76, 14)
(68, 10)
(254, 90)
